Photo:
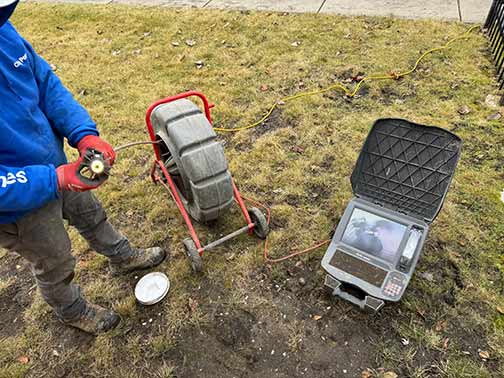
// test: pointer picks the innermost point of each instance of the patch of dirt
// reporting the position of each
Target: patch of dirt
(318, 192)
(274, 122)
(350, 74)
(17, 297)
(469, 340)
(479, 152)
(328, 162)
(390, 94)
(239, 343)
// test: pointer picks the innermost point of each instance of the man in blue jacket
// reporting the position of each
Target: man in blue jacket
(38, 188)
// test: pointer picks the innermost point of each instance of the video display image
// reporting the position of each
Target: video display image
(373, 234)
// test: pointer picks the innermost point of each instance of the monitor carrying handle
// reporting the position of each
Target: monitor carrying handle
(369, 303)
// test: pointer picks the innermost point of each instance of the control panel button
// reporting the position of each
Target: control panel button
(395, 285)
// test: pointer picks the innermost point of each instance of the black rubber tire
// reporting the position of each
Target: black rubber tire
(193, 255)
(261, 229)
(195, 159)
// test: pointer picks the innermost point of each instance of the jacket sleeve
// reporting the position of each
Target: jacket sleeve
(27, 188)
(64, 113)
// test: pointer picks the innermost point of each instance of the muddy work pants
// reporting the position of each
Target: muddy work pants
(40, 237)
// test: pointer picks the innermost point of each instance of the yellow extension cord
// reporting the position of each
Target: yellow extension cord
(348, 92)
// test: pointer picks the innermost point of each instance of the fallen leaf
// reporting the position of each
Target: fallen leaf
(427, 276)
(190, 42)
(366, 374)
(175, 44)
(317, 317)
(390, 374)
(230, 256)
(500, 310)
(446, 341)
(494, 117)
(395, 75)
(298, 149)
(23, 359)
(484, 354)
(263, 88)
(492, 101)
(441, 326)
(192, 304)
(464, 110)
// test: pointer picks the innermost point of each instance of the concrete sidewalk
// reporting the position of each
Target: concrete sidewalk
(461, 10)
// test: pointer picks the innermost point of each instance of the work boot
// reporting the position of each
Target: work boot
(95, 320)
(140, 259)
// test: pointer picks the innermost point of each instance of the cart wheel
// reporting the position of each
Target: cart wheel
(194, 158)
(261, 229)
(194, 257)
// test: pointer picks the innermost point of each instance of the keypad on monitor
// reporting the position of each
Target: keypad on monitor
(394, 285)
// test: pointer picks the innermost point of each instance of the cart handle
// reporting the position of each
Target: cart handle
(166, 100)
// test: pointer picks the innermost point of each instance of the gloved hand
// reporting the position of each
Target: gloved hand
(68, 179)
(98, 144)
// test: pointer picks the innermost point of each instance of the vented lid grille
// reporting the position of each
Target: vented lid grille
(407, 167)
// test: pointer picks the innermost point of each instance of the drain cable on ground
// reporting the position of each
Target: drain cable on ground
(348, 92)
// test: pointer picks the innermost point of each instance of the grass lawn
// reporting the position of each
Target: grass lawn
(243, 318)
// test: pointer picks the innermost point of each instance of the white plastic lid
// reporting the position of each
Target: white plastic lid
(152, 288)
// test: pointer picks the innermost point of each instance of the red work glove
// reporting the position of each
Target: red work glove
(98, 144)
(68, 179)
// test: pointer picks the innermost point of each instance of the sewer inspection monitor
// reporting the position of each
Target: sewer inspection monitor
(399, 182)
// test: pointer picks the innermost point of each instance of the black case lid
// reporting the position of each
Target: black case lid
(407, 167)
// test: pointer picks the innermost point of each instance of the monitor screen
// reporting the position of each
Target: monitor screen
(374, 235)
